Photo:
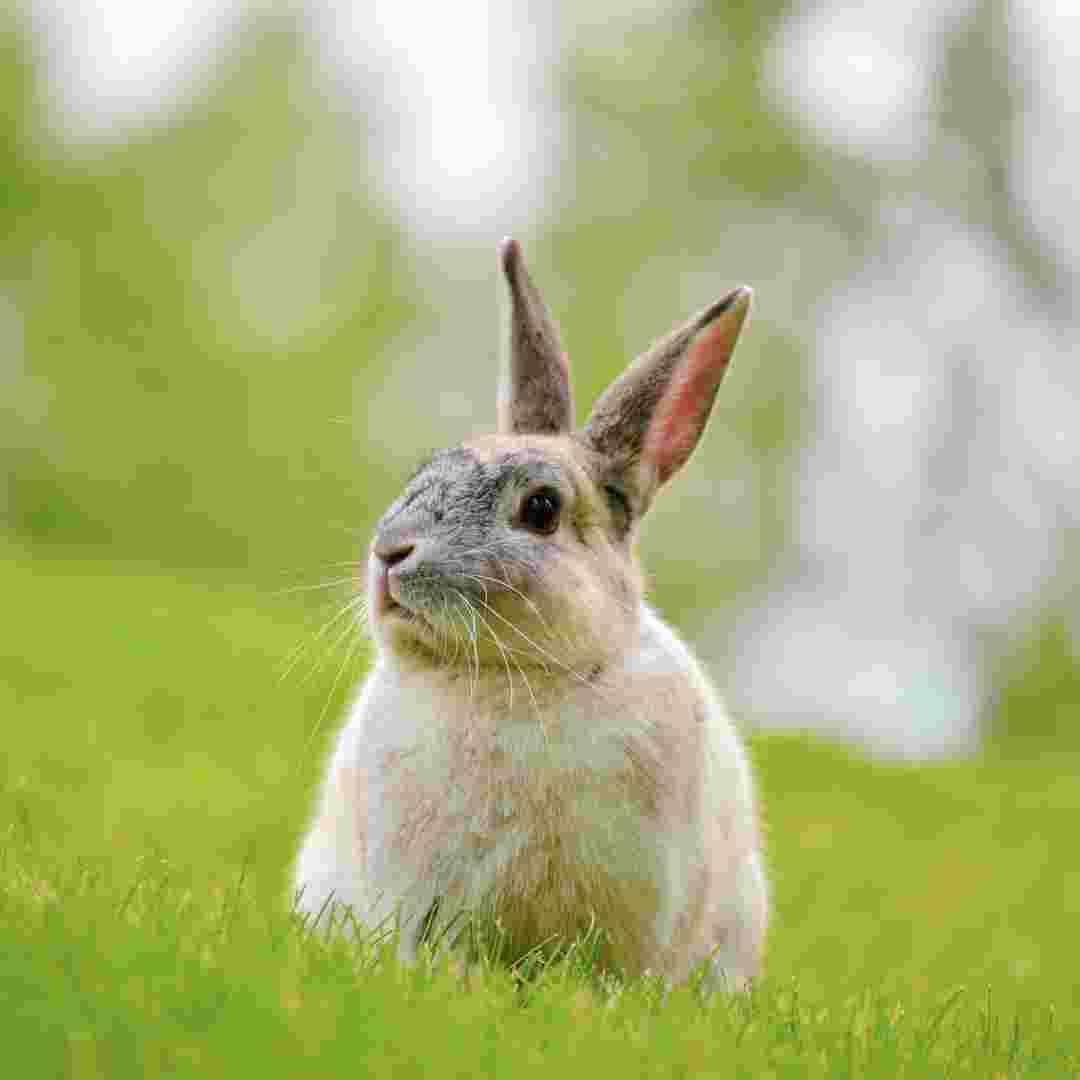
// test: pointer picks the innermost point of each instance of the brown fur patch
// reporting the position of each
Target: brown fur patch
(540, 400)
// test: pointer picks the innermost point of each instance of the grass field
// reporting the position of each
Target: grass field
(156, 771)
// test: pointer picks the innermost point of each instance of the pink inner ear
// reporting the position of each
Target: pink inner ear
(682, 412)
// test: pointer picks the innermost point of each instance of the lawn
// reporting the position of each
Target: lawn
(161, 740)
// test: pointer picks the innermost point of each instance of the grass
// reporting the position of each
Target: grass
(158, 980)
(155, 775)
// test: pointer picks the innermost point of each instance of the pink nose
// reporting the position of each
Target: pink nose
(385, 556)
(392, 554)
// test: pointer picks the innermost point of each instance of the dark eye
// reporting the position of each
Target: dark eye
(540, 511)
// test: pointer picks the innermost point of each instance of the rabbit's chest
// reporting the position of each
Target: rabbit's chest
(515, 809)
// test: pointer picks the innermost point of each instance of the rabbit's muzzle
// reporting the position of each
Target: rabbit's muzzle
(389, 559)
(411, 579)
(397, 564)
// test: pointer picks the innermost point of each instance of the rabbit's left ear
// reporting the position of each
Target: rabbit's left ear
(537, 399)
(649, 420)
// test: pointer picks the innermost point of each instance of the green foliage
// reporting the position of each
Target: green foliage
(1038, 707)
(196, 313)
(197, 322)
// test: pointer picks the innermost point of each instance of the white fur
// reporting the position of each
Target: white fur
(571, 739)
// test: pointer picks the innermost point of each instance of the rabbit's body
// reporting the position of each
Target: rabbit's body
(533, 741)
(625, 799)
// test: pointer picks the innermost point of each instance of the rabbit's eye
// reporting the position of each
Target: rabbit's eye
(540, 511)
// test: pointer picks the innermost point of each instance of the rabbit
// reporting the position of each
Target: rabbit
(533, 740)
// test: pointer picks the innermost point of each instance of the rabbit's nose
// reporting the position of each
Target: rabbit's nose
(392, 553)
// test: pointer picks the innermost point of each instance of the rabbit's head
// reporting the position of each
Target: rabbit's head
(517, 549)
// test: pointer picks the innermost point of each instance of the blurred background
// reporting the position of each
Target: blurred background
(249, 277)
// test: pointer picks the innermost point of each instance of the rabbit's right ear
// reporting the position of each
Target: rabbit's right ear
(537, 399)
(647, 423)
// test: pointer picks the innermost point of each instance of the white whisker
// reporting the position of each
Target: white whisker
(499, 646)
(355, 606)
(543, 652)
(333, 584)
(314, 733)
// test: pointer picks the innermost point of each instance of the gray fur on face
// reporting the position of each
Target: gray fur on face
(460, 508)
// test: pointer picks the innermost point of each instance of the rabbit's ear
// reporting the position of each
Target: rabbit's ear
(650, 419)
(537, 399)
